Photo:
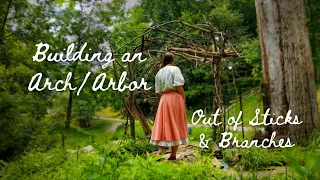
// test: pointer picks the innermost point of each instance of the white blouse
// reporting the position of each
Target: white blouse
(168, 78)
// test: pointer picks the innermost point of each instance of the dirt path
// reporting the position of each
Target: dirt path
(108, 119)
(114, 127)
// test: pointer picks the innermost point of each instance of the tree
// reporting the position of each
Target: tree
(81, 22)
(126, 28)
(20, 110)
(288, 71)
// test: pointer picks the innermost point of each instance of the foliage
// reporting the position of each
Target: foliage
(226, 19)
(138, 147)
(13, 134)
(106, 163)
(313, 23)
(35, 165)
(159, 11)
(306, 166)
(255, 159)
(32, 123)
(251, 51)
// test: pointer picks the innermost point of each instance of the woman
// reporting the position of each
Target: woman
(170, 126)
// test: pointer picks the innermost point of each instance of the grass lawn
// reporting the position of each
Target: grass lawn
(76, 136)
(107, 113)
(249, 104)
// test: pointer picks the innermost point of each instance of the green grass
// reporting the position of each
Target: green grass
(249, 104)
(107, 113)
(138, 131)
(76, 136)
(197, 131)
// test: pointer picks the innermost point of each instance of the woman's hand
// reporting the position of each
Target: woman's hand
(181, 91)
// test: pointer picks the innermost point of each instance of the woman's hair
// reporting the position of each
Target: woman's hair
(168, 58)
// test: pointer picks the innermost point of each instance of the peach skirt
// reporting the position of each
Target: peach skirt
(170, 126)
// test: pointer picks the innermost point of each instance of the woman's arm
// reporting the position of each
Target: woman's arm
(181, 91)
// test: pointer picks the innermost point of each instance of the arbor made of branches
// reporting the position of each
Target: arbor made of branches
(198, 44)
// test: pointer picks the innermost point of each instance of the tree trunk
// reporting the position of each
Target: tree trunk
(70, 101)
(136, 113)
(131, 104)
(69, 109)
(132, 120)
(4, 23)
(287, 65)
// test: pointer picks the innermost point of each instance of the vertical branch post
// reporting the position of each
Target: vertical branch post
(217, 95)
(240, 98)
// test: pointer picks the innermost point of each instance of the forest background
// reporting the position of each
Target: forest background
(38, 128)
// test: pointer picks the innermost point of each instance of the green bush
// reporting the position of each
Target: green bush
(34, 165)
(138, 167)
(104, 163)
(138, 147)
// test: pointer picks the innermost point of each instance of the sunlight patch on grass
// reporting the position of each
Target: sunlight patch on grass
(107, 113)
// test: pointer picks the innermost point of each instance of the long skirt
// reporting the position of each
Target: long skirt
(170, 126)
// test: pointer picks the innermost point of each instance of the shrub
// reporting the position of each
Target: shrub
(138, 147)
